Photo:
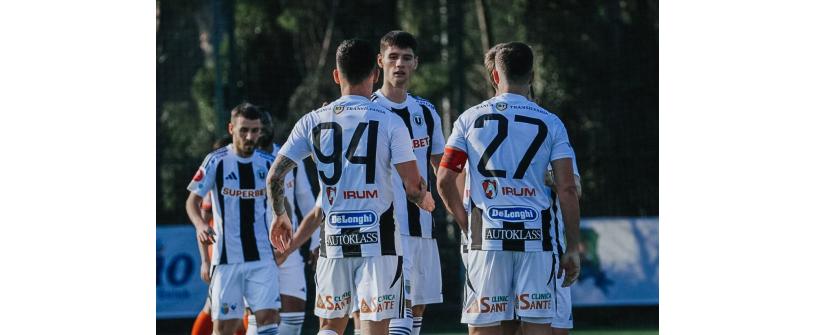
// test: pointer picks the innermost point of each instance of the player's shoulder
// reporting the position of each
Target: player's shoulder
(528, 106)
(422, 101)
(265, 155)
(485, 106)
(216, 156)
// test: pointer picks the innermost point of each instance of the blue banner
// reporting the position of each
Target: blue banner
(180, 292)
(619, 262)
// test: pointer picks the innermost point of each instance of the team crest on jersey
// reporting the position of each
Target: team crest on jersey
(418, 119)
(330, 192)
(338, 109)
(490, 188)
(262, 174)
(501, 106)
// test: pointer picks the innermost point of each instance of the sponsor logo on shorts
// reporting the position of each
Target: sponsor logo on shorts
(244, 194)
(535, 301)
(333, 303)
(224, 308)
(352, 239)
(512, 213)
(492, 304)
(352, 219)
(513, 234)
(377, 304)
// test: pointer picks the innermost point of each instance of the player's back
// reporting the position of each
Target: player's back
(354, 143)
(509, 142)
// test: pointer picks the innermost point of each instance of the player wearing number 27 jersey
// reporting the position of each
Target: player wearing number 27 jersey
(508, 142)
(356, 145)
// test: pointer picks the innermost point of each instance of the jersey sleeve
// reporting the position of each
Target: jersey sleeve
(297, 146)
(561, 148)
(204, 179)
(438, 135)
(457, 140)
(401, 145)
(302, 190)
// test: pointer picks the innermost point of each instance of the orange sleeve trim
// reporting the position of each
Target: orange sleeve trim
(453, 159)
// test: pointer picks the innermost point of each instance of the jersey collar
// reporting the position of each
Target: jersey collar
(512, 97)
(239, 158)
(390, 104)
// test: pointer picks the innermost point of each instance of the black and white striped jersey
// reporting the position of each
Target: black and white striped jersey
(424, 126)
(509, 142)
(354, 143)
(240, 207)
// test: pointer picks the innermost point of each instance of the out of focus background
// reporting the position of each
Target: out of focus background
(596, 67)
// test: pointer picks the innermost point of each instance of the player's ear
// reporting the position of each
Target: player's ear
(230, 127)
(375, 73)
(336, 75)
(495, 77)
(379, 60)
(415, 62)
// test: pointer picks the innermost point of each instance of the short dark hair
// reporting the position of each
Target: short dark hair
(489, 58)
(246, 110)
(268, 136)
(514, 60)
(399, 39)
(356, 59)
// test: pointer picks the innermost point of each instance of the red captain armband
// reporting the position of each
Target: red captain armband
(453, 159)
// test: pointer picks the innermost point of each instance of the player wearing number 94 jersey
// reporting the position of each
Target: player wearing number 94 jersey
(356, 145)
(508, 142)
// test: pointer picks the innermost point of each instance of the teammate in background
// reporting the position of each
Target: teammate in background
(203, 322)
(292, 275)
(242, 258)
(357, 145)
(422, 269)
(505, 227)
(563, 320)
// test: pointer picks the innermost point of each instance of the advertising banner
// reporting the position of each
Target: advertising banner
(620, 262)
(180, 292)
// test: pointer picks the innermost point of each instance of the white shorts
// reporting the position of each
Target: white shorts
(293, 276)
(422, 270)
(375, 284)
(563, 302)
(502, 284)
(254, 284)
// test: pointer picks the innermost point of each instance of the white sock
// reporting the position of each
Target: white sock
(357, 331)
(327, 332)
(400, 326)
(270, 329)
(252, 325)
(291, 323)
(417, 325)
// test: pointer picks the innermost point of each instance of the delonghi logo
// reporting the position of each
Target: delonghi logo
(352, 219)
(512, 213)
(352, 239)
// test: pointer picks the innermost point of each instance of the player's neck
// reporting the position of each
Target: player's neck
(364, 90)
(519, 90)
(394, 94)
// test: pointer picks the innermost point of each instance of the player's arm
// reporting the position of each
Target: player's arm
(307, 227)
(415, 186)
(435, 160)
(203, 231)
(570, 208)
(450, 168)
(280, 234)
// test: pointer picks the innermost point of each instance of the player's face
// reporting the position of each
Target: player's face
(245, 134)
(398, 65)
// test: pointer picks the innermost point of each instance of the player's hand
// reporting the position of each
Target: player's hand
(205, 234)
(280, 256)
(280, 234)
(205, 272)
(427, 202)
(569, 263)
